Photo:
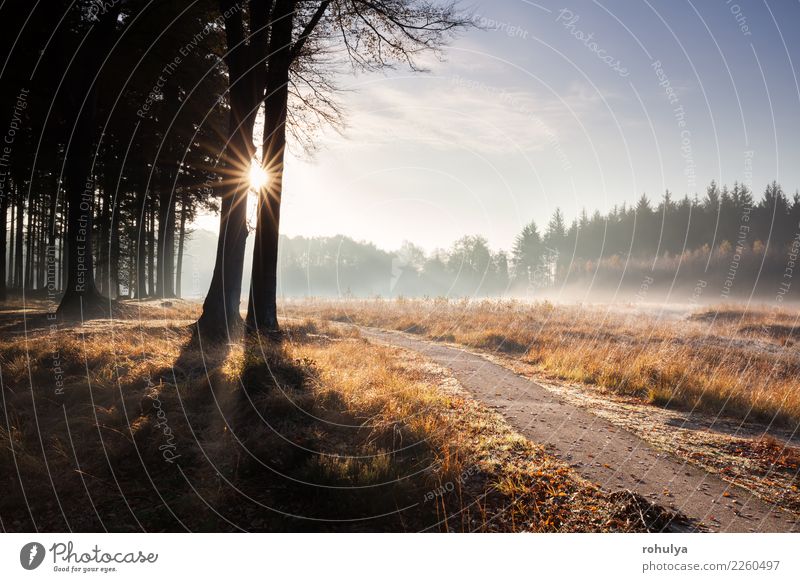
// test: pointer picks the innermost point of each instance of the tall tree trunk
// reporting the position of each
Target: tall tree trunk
(30, 239)
(141, 246)
(11, 247)
(51, 281)
(62, 245)
(103, 258)
(169, 250)
(181, 242)
(37, 220)
(98, 220)
(30, 233)
(3, 242)
(167, 201)
(114, 252)
(19, 240)
(161, 247)
(262, 310)
(221, 306)
(81, 297)
(220, 315)
(41, 244)
(151, 248)
(166, 235)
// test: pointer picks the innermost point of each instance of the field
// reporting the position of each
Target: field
(729, 361)
(133, 424)
(716, 387)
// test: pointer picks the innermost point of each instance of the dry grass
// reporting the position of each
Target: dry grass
(128, 425)
(729, 361)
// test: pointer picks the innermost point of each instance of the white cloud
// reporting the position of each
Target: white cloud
(459, 112)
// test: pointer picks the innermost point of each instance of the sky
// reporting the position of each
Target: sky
(572, 104)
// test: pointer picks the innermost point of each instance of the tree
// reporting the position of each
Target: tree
(648, 229)
(245, 57)
(26, 82)
(470, 264)
(556, 234)
(773, 217)
(372, 35)
(80, 294)
(262, 308)
(527, 252)
(500, 276)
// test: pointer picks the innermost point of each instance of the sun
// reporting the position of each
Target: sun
(258, 176)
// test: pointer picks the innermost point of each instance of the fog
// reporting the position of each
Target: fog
(725, 246)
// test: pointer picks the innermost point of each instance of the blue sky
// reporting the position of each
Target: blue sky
(558, 104)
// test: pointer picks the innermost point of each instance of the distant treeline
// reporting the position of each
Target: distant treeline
(723, 244)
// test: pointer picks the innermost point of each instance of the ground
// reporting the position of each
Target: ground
(714, 388)
(131, 424)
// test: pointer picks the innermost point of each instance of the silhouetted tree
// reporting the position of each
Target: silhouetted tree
(372, 35)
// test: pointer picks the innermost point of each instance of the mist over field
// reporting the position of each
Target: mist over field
(726, 246)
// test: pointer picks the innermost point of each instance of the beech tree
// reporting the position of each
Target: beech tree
(370, 35)
(245, 58)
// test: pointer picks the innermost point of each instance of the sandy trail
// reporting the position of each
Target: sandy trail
(606, 455)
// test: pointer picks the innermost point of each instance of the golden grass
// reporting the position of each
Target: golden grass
(147, 430)
(728, 361)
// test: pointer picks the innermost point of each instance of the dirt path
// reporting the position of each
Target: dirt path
(607, 455)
